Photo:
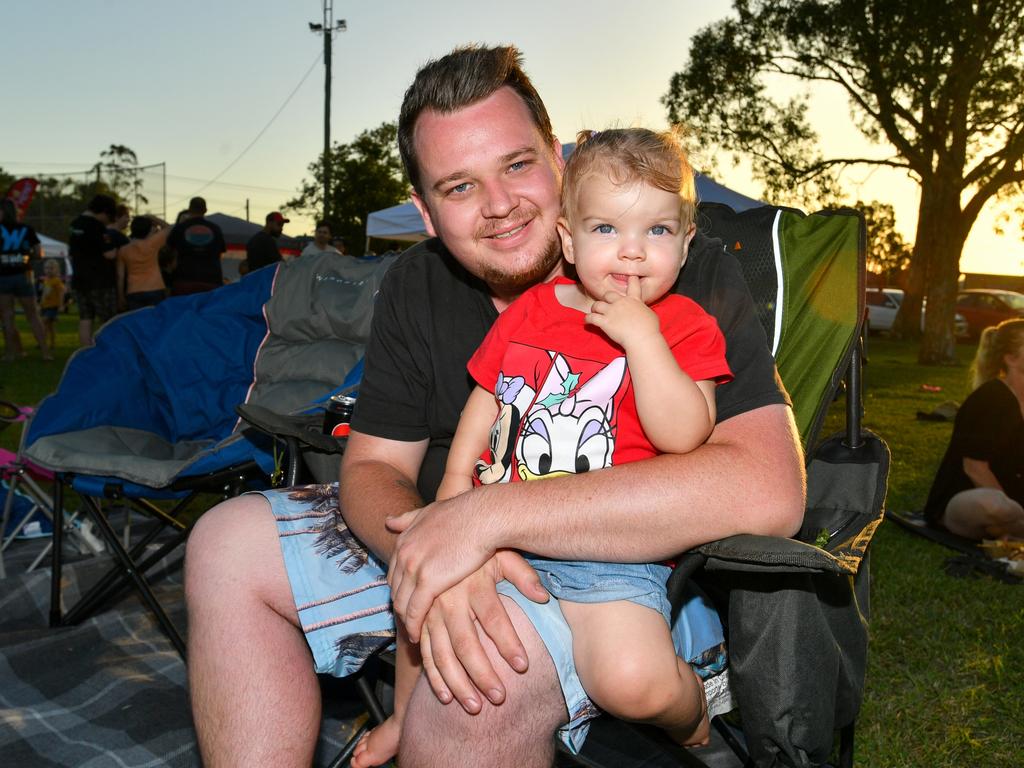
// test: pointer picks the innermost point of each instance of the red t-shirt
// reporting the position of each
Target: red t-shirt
(563, 391)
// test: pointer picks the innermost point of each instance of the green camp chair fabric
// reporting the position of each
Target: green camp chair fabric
(806, 276)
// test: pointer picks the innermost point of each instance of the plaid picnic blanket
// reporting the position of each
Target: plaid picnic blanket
(108, 692)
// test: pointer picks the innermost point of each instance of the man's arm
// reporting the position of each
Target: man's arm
(377, 481)
(747, 478)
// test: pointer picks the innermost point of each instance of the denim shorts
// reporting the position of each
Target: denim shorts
(16, 285)
(49, 313)
(587, 582)
(344, 604)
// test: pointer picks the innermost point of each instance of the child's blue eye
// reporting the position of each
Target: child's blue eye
(604, 229)
(659, 229)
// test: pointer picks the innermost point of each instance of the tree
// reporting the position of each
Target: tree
(938, 84)
(120, 165)
(887, 253)
(366, 175)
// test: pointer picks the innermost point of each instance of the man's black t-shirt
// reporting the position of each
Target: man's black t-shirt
(198, 243)
(989, 427)
(431, 315)
(261, 250)
(17, 241)
(88, 241)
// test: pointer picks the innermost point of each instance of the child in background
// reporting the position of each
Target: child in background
(52, 300)
(578, 375)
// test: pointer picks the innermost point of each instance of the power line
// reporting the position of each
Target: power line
(258, 135)
(230, 184)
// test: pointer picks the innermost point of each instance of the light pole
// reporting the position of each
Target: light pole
(327, 29)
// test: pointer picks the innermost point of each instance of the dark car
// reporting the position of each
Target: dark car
(984, 307)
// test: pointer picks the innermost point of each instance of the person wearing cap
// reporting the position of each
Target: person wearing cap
(262, 249)
(198, 244)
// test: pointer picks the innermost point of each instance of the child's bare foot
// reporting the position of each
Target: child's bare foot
(378, 746)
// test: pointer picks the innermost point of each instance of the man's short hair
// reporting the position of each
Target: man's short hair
(103, 204)
(197, 205)
(322, 224)
(462, 78)
(140, 227)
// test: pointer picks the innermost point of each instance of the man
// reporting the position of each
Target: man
(19, 247)
(198, 244)
(92, 252)
(485, 167)
(321, 241)
(262, 249)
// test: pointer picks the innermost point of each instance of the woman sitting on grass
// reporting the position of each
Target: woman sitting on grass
(979, 488)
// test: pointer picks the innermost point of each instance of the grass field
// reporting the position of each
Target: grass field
(945, 680)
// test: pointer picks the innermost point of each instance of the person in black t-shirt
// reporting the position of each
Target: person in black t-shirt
(485, 168)
(262, 249)
(19, 245)
(92, 252)
(978, 491)
(198, 244)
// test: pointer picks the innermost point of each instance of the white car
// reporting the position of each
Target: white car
(885, 302)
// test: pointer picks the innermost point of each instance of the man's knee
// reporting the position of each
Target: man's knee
(235, 542)
(519, 732)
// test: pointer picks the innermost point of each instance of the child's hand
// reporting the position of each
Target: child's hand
(625, 319)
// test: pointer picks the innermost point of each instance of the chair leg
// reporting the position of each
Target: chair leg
(56, 556)
(132, 570)
(846, 735)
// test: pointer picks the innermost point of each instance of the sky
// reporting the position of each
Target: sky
(196, 86)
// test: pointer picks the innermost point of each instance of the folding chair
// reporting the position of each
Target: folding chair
(145, 418)
(789, 602)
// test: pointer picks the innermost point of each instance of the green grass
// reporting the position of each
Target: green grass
(945, 680)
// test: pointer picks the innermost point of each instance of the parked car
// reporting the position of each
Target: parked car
(984, 307)
(884, 303)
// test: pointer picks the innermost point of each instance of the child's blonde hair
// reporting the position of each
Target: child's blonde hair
(47, 264)
(629, 155)
(1007, 338)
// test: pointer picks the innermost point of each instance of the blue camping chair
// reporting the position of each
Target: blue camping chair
(148, 414)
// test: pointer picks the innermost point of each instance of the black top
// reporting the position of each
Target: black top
(198, 244)
(17, 242)
(117, 237)
(431, 315)
(989, 427)
(88, 241)
(261, 250)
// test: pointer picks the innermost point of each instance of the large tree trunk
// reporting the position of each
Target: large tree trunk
(940, 241)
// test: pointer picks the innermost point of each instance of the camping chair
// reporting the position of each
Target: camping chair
(796, 609)
(796, 604)
(145, 417)
(159, 392)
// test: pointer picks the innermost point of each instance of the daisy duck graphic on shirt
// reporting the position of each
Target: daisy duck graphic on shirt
(556, 415)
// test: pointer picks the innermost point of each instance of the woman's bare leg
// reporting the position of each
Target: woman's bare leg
(984, 513)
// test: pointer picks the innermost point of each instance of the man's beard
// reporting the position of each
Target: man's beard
(504, 282)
